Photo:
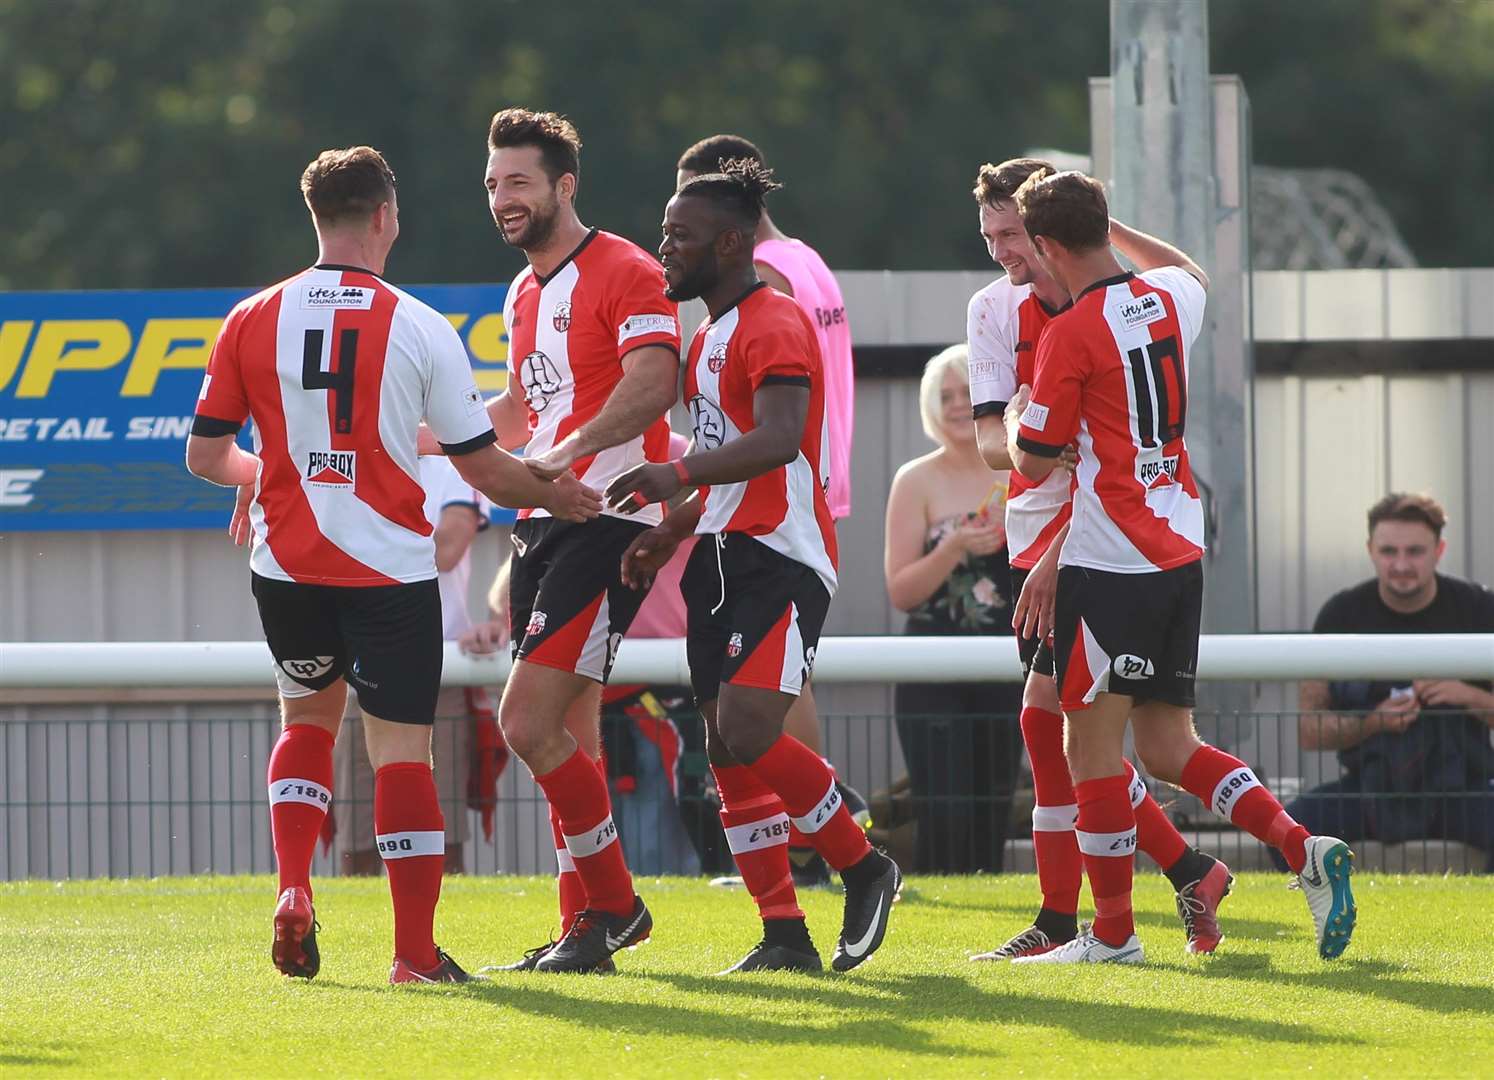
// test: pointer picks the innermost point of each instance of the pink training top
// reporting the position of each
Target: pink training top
(819, 295)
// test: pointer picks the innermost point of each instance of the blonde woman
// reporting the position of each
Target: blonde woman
(946, 566)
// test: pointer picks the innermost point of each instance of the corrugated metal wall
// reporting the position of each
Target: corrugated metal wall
(1326, 448)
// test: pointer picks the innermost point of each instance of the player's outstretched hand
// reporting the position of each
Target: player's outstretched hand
(641, 485)
(646, 556)
(571, 500)
(1033, 615)
(238, 523)
(554, 461)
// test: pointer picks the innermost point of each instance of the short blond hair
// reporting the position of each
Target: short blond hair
(955, 358)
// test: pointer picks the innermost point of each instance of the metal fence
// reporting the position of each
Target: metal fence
(148, 790)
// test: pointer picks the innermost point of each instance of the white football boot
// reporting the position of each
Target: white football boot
(1325, 883)
(1088, 949)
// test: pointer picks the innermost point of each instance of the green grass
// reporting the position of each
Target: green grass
(172, 978)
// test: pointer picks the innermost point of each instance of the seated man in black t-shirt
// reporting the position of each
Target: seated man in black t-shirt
(1417, 758)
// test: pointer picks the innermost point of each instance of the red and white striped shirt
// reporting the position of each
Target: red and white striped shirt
(763, 338)
(1112, 371)
(1004, 323)
(567, 335)
(336, 367)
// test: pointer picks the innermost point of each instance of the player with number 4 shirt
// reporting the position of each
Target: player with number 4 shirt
(337, 368)
(1111, 375)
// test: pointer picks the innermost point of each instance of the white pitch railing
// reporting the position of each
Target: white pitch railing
(1260, 658)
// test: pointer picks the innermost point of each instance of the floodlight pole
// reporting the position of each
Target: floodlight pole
(1176, 162)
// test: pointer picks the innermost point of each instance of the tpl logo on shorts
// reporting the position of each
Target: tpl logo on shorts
(307, 669)
(1127, 666)
(536, 623)
(331, 468)
(734, 646)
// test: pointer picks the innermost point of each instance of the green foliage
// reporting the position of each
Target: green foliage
(158, 142)
(173, 978)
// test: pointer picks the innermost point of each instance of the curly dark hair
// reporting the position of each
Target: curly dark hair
(555, 136)
(996, 184)
(1068, 207)
(344, 184)
(739, 188)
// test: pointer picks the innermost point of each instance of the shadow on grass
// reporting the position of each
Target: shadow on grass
(1244, 929)
(1370, 978)
(900, 1014)
(32, 1054)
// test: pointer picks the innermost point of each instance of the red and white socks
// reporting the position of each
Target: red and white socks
(300, 786)
(1059, 867)
(1227, 786)
(410, 832)
(578, 798)
(1106, 831)
(807, 787)
(757, 832)
(570, 893)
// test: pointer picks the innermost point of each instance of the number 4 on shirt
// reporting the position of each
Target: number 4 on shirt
(339, 381)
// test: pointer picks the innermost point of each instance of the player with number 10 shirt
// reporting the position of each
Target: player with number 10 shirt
(1112, 375)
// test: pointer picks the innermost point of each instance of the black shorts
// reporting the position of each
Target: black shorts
(568, 608)
(1036, 655)
(754, 616)
(385, 639)
(1132, 634)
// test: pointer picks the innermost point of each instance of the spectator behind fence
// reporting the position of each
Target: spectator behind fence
(1416, 755)
(946, 565)
(455, 511)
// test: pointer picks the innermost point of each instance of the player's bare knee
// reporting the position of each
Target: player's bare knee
(323, 708)
(1040, 692)
(390, 743)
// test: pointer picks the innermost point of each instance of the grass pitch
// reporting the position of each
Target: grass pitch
(173, 978)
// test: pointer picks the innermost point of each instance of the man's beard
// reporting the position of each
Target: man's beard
(694, 286)
(537, 233)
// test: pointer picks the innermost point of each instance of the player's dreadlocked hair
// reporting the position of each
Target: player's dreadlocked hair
(710, 154)
(740, 187)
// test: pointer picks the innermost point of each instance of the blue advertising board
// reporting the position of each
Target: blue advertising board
(97, 391)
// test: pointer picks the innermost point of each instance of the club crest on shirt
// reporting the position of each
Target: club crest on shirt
(331, 468)
(541, 380)
(561, 319)
(717, 358)
(734, 646)
(536, 623)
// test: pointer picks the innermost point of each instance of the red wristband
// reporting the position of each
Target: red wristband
(681, 472)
